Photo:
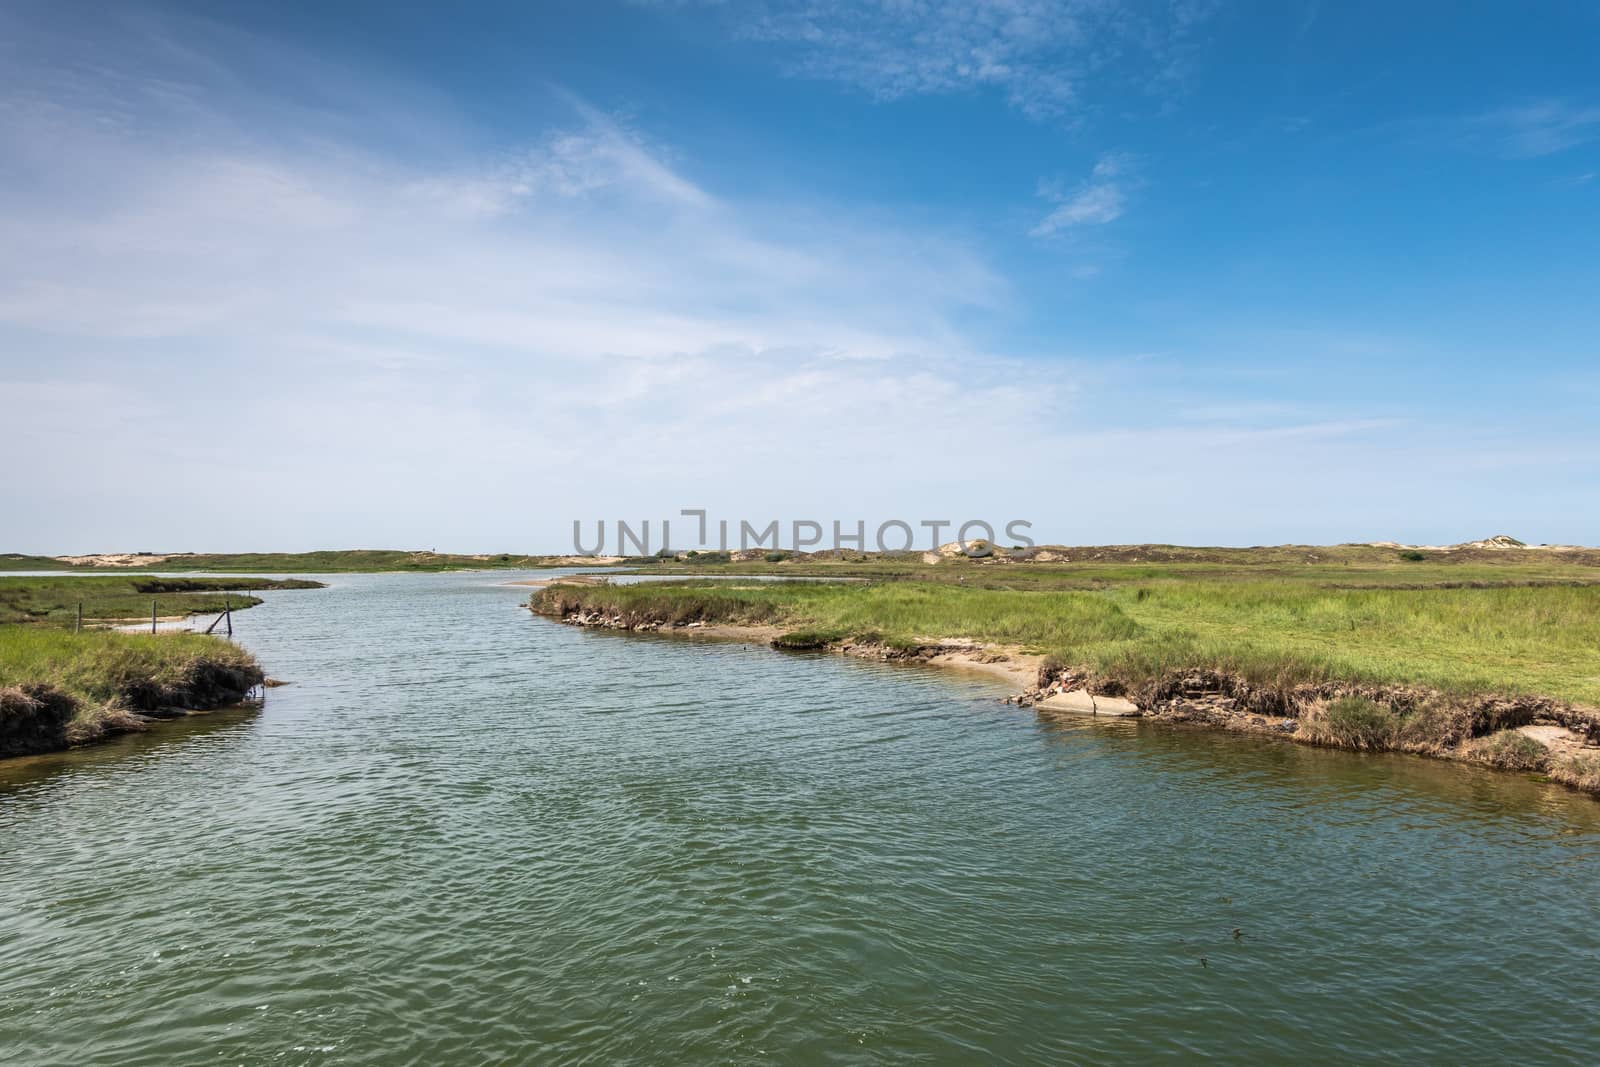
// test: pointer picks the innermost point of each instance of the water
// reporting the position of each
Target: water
(467, 835)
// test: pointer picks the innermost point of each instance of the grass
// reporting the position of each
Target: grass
(59, 688)
(100, 666)
(1580, 772)
(1510, 639)
(1511, 751)
(1355, 722)
(54, 601)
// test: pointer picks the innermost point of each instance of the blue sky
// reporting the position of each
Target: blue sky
(308, 275)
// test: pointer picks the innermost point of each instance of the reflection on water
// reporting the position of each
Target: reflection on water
(124, 752)
(470, 835)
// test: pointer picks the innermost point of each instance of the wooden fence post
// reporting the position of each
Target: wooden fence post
(152, 616)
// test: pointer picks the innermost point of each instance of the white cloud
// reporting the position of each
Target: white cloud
(314, 338)
(353, 317)
(1039, 53)
(1524, 130)
(1095, 202)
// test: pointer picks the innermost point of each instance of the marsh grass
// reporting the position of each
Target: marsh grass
(807, 640)
(103, 666)
(1510, 750)
(62, 687)
(1580, 772)
(53, 601)
(1521, 640)
(1354, 722)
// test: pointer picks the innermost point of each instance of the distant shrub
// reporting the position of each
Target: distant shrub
(1411, 555)
(776, 557)
(692, 554)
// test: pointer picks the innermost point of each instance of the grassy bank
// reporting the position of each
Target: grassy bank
(1542, 640)
(55, 600)
(1435, 668)
(59, 688)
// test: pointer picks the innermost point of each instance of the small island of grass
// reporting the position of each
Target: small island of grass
(60, 687)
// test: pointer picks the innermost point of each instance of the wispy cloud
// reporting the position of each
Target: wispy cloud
(1094, 202)
(1540, 128)
(599, 157)
(581, 324)
(365, 315)
(1040, 53)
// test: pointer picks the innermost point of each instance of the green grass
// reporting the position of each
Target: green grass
(54, 601)
(1145, 623)
(58, 687)
(1511, 751)
(101, 666)
(1355, 722)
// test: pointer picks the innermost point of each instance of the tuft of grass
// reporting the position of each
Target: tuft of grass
(1354, 722)
(1581, 772)
(806, 640)
(1510, 750)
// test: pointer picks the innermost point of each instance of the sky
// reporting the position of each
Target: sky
(287, 276)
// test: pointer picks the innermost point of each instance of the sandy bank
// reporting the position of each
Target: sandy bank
(1017, 668)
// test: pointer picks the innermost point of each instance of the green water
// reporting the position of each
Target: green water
(467, 836)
